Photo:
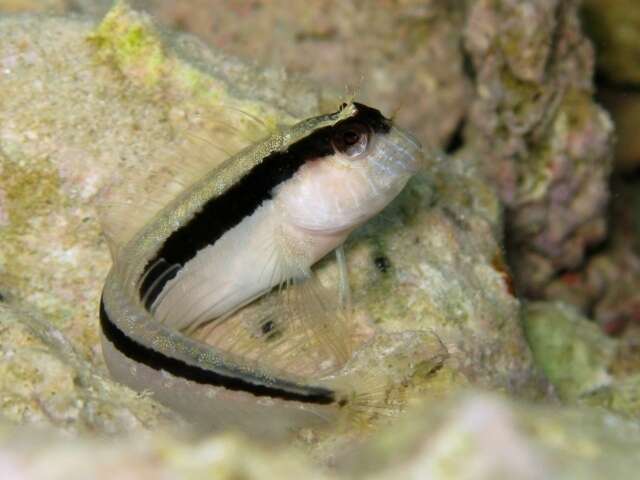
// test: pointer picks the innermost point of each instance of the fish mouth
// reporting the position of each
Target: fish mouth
(404, 153)
(410, 138)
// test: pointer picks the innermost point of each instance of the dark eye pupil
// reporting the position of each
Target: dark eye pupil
(350, 137)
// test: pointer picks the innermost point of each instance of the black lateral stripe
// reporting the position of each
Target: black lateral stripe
(156, 360)
(222, 213)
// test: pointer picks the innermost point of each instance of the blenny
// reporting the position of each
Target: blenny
(213, 306)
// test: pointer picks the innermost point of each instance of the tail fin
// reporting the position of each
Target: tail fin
(383, 377)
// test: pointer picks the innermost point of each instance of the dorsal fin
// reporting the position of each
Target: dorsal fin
(136, 195)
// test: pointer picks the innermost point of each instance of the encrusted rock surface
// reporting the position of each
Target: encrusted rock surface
(573, 352)
(544, 141)
(607, 287)
(402, 56)
(484, 437)
(584, 365)
(84, 104)
(45, 381)
(440, 441)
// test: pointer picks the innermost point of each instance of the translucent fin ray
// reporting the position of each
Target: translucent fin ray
(299, 328)
(343, 280)
(210, 137)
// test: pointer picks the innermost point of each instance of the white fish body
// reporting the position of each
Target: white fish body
(258, 221)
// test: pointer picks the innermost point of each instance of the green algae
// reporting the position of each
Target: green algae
(622, 396)
(442, 241)
(130, 42)
(572, 351)
(31, 189)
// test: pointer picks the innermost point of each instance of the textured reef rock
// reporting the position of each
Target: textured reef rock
(45, 381)
(544, 141)
(96, 8)
(572, 351)
(483, 437)
(402, 56)
(607, 286)
(440, 441)
(83, 105)
(584, 365)
(80, 106)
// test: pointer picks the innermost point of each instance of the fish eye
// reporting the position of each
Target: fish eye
(351, 139)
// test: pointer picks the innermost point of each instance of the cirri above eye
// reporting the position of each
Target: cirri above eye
(351, 139)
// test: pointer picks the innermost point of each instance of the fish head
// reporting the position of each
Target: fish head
(364, 162)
